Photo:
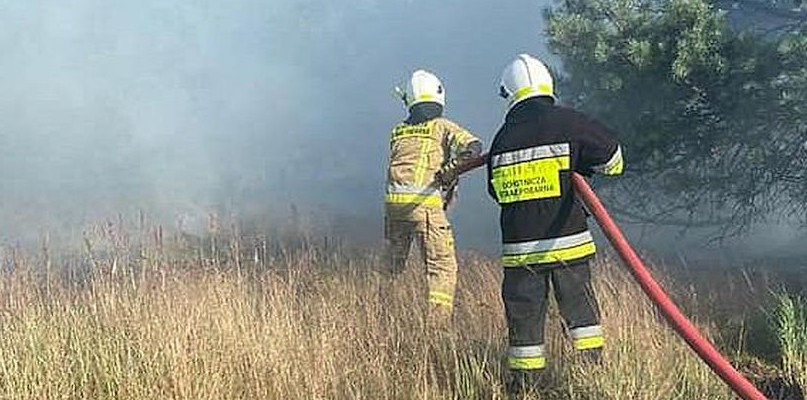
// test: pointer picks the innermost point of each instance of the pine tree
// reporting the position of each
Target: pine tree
(713, 116)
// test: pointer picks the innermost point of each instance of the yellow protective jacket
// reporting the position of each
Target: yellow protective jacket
(419, 148)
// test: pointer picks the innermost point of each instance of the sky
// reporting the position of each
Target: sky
(182, 108)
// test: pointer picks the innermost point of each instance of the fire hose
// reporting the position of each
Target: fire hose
(685, 329)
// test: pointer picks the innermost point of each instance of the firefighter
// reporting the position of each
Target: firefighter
(425, 152)
(543, 223)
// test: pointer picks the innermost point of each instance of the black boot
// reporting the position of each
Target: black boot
(591, 356)
(523, 382)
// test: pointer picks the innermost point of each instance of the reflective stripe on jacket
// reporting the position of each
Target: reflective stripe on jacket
(417, 152)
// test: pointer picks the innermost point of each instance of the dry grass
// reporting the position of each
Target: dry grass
(791, 326)
(140, 317)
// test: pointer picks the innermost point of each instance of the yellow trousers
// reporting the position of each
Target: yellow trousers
(431, 229)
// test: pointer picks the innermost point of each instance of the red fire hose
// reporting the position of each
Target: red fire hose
(680, 323)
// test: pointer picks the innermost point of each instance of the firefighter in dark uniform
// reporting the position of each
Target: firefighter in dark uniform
(543, 223)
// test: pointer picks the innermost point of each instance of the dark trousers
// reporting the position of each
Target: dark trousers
(525, 291)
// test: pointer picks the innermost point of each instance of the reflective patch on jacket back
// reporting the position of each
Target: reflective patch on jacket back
(530, 175)
(404, 131)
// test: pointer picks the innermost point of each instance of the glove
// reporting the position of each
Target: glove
(447, 175)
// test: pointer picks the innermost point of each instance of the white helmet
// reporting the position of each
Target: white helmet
(524, 78)
(423, 87)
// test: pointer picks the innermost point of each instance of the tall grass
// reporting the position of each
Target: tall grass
(791, 325)
(154, 318)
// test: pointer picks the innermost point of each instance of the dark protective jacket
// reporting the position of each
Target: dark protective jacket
(529, 174)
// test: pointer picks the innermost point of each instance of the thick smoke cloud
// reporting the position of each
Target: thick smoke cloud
(179, 107)
(185, 108)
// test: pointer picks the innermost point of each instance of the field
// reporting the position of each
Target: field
(143, 314)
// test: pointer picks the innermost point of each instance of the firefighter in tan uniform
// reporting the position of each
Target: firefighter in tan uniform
(425, 151)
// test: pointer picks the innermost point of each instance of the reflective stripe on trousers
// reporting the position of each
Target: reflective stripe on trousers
(547, 251)
(526, 357)
(440, 298)
(587, 337)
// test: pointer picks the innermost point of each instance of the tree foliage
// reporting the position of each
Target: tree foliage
(713, 119)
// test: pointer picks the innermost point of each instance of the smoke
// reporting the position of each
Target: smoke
(180, 108)
(246, 107)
